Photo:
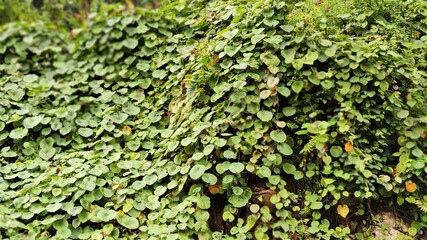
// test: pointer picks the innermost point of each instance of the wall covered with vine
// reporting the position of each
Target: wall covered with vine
(215, 120)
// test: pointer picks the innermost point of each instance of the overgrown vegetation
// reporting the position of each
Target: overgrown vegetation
(215, 119)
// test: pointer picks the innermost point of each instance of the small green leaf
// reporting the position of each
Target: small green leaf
(299, 37)
(208, 149)
(402, 113)
(53, 207)
(30, 78)
(131, 109)
(284, 91)
(331, 51)
(119, 117)
(417, 152)
(31, 122)
(18, 133)
(209, 178)
(297, 86)
(310, 57)
(270, 59)
(316, 205)
(336, 151)
(130, 43)
(230, 34)
(197, 171)
(106, 215)
(289, 111)
(264, 172)
(47, 153)
(284, 149)
(278, 136)
(85, 132)
(127, 221)
(264, 94)
(419, 165)
(288, 54)
(238, 201)
(264, 115)
(256, 38)
(289, 168)
(232, 50)
(236, 167)
(229, 154)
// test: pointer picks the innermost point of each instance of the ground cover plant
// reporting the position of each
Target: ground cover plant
(215, 120)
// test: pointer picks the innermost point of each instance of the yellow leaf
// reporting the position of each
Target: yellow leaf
(411, 187)
(343, 210)
(348, 146)
(91, 208)
(127, 130)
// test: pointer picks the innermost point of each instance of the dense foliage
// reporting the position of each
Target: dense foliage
(64, 13)
(212, 119)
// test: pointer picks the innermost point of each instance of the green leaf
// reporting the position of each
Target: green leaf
(287, 28)
(47, 153)
(232, 50)
(256, 38)
(289, 168)
(278, 136)
(270, 59)
(119, 117)
(60, 224)
(264, 115)
(238, 201)
(402, 113)
(127, 221)
(236, 167)
(197, 171)
(16, 94)
(297, 86)
(289, 111)
(159, 74)
(284, 91)
(417, 152)
(63, 233)
(209, 178)
(289, 55)
(331, 51)
(18, 133)
(230, 34)
(299, 37)
(53, 207)
(284, 149)
(31, 122)
(310, 57)
(264, 172)
(316, 205)
(419, 164)
(130, 43)
(30, 78)
(131, 109)
(106, 215)
(208, 149)
(85, 132)
(336, 151)
(229, 154)
(264, 94)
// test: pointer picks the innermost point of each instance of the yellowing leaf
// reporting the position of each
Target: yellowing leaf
(343, 210)
(214, 189)
(411, 187)
(127, 130)
(348, 146)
